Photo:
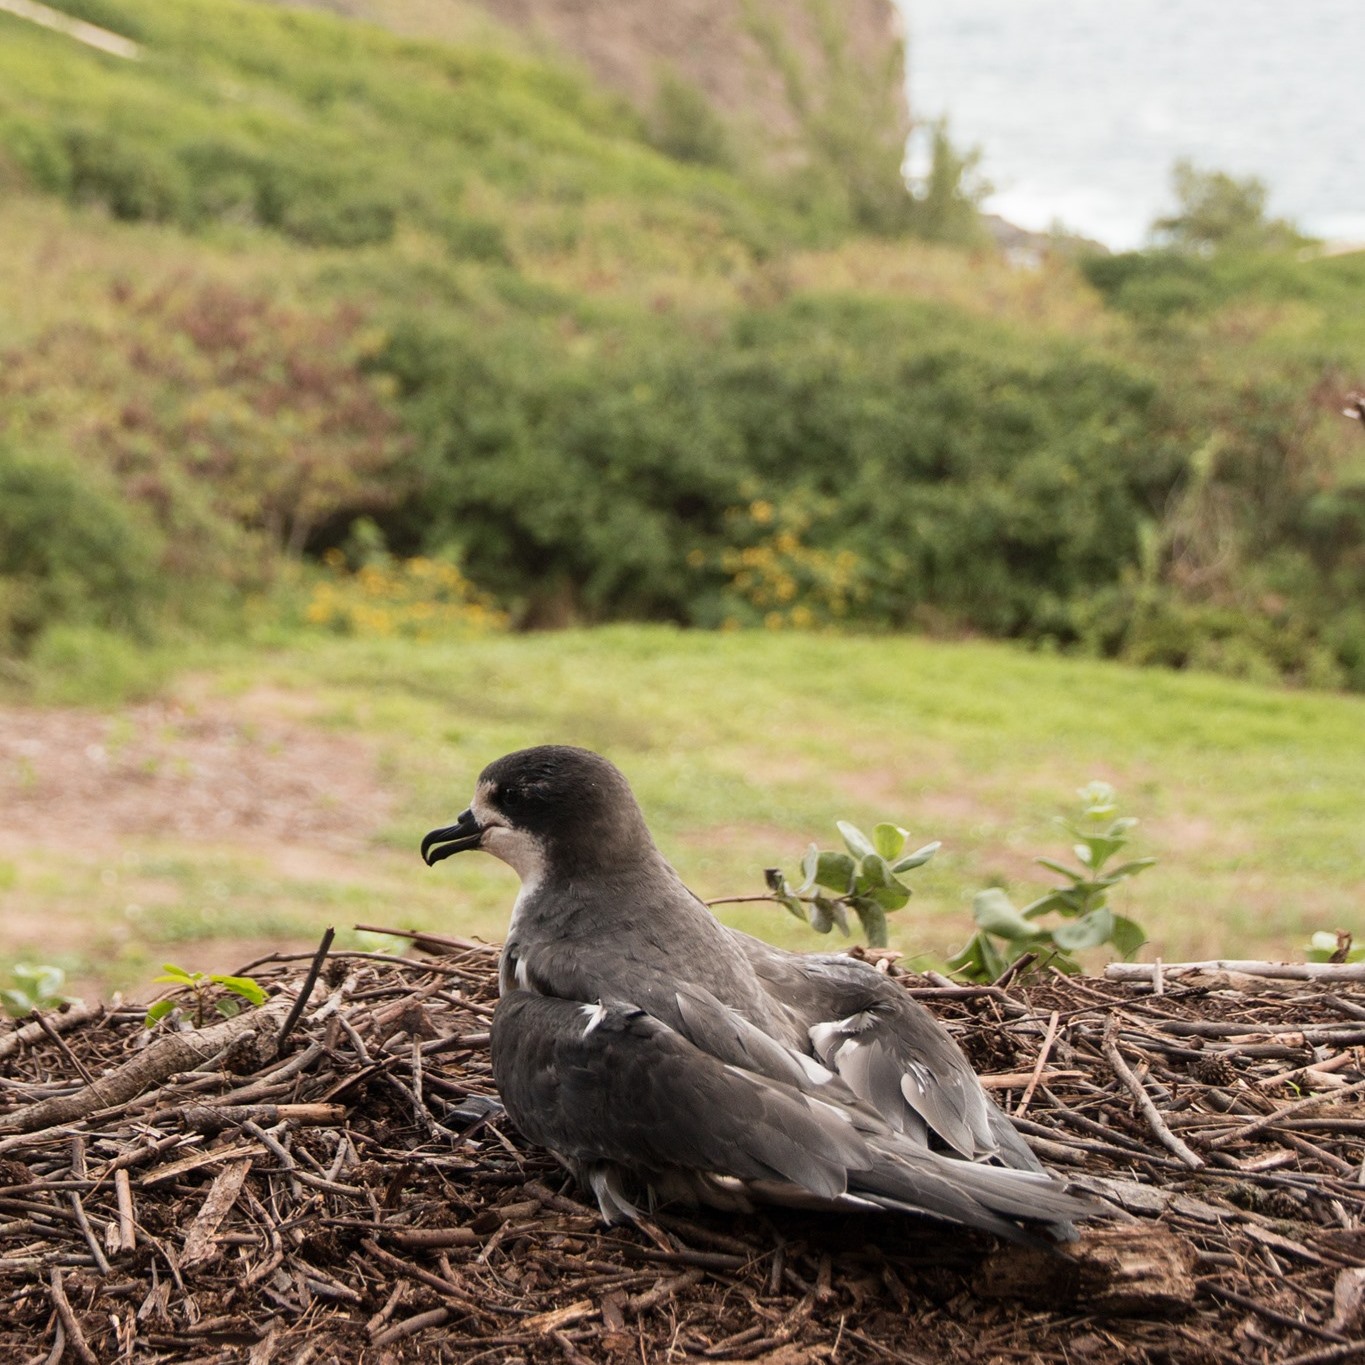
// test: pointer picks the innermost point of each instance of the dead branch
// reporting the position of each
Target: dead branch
(164, 1058)
(1326, 972)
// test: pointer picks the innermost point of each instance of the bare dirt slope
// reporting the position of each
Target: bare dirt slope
(120, 835)
(204, 772)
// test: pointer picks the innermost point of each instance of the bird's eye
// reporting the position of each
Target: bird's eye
(510, 798)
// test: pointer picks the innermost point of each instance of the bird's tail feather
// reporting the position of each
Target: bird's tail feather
(970, 1192)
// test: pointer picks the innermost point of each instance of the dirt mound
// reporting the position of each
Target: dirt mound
(206, 771)
(344, 1188)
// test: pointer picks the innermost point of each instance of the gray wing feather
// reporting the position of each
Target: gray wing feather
(634, 1092)
(874, 1073)
(866, 1028)
(614, 1085)
(715, 1028)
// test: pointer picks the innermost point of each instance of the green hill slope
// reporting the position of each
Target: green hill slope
(272, 793)
(333, 133)
(285, 276)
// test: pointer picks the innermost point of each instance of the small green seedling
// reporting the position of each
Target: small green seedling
(1334, 945)
(201, 985)
(1005, 934)
(863, 876)
(32, 989)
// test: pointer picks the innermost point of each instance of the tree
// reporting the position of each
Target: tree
(1221, 212)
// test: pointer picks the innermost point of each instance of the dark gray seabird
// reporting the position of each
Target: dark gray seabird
(662, 1056)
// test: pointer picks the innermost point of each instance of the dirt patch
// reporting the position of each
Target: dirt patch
(207, 772)
(249, 784)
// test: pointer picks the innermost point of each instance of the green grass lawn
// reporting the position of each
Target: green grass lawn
(742, 748)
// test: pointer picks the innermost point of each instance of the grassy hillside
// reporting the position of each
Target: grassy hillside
(358, 348)
(289, 284)
(272, 792)
(338, 134)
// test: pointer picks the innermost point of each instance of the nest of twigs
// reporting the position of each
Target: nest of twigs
(336, 1183)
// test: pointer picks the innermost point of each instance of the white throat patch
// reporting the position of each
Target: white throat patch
(518, 848)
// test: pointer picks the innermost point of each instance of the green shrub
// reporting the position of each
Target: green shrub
(37, 152)
(945, 204)
(966, 472)
(71, 552)
(33, 989)
(239, 423)
(477, 239)
(83, 666)
(133, 181)
(1217, 212)
(1155, 286)
(346, 219)
(1005, 935)
(684, 124)
(863, 877)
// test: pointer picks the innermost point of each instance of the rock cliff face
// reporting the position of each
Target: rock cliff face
(771, 68)
(761, 63)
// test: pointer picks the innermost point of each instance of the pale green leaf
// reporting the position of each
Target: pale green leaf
(893, 897)
(889, 839)
(837, 913)
(873, 873)
(16, 1003)
(1130, 869)
(1127, 936)
(158, 1012)
(178, 975)
(1061, 869)
(819, 916)
(858, 843)
(993, 912)
(874, 922)
(916, 859)
(835, 871)
(1087, 932)
(244, 986)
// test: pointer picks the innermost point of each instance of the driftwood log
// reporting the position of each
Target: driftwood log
(1337, 973)
(347, 1189)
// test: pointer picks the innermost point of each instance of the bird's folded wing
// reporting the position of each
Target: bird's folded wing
(892, 1053)
(610, 1083)
(895, 1069)
(715, 1028)
(896, 1050)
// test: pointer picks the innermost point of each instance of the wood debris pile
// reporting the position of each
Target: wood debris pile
(341, 1186)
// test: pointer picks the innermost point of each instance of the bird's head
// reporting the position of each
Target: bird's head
(549, 806)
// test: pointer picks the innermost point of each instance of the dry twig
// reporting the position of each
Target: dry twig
(381, 1204)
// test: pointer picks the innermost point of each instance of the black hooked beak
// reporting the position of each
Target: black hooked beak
(464, 833)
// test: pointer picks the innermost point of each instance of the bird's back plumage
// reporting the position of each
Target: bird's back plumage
(662, 1055)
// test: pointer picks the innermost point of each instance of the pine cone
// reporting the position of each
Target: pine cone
(1214, 1069)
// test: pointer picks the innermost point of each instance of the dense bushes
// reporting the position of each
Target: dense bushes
(222, 413)
(967, 473)
(71, 551)
(217, 430)
(888, 464)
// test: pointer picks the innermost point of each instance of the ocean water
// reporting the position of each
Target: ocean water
(1081, 107)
